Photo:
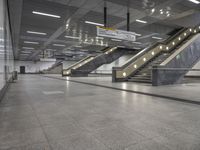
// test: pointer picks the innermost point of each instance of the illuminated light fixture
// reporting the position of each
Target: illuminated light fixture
(80, 65)
(116, 40)
(26, 52)
(195, 31)
(78, 46)
(33, 32)
(168, 15)
(194, 1)
(167, 48)
(173, 43)
(161, 12)
(190, 30)
(101, 38)
(161, 47)
(137, 34)
(137, 42)
(153, 10)
(135, 66)
(152, 53)
(28, 48)
(45, 14)
(185, 34)
(199, 27)
(124, 74)
(144, 59)
(141, 21)
(157, 38)
(67, 72)
(61, 45)
(29, 42)
(72, 37)
(167, 12)
(179, 38)
(94, 23)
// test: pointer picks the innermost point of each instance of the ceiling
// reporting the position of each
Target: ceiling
(161, 16)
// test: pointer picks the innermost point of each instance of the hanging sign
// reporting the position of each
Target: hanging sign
(117, 34)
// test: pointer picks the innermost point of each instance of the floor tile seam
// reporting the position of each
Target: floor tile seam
(43, 131)
(132, 91)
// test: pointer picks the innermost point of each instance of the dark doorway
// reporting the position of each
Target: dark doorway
(22, 70)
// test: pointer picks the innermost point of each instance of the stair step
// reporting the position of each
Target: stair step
(139, 80)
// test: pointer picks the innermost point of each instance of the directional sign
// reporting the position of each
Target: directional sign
(117, 34)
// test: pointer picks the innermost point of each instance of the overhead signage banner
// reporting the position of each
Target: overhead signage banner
(117, 34)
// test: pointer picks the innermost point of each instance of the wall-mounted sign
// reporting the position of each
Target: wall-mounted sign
(117, 34)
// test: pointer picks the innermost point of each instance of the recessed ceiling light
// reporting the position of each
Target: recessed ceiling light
(29, 42)
(27, 48)
(94, 23)
(158, 38)
(61, 45)
(194, 1)
(153, 10)
(33, 32)
(141, 21)
(72, 37)
(45, 14)
(116, 40)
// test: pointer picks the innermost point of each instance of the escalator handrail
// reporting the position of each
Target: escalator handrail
(141, 53)
(78, 62)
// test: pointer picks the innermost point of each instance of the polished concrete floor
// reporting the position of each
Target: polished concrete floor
(187, 91)
(40, 113)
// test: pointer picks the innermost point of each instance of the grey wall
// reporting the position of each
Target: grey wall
(6, 51)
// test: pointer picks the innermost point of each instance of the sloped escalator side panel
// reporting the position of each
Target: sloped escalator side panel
(174, 70)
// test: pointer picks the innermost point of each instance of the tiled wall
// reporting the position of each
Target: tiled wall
(6, 51)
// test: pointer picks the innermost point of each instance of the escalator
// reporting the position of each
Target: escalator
(139, 68)
(108, 56)
(144, 74)
(67, 72)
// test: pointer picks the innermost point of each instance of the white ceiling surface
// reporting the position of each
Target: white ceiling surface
(182, 14)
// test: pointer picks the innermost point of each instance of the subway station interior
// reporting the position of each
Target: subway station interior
(99, 74)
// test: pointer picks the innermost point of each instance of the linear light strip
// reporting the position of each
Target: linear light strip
(34, 32)
(61, 45)
(94, 23)
(194, 1)
(72, 37)
(158, 38)
(45, 14)
(141, 21)
(29, 42)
